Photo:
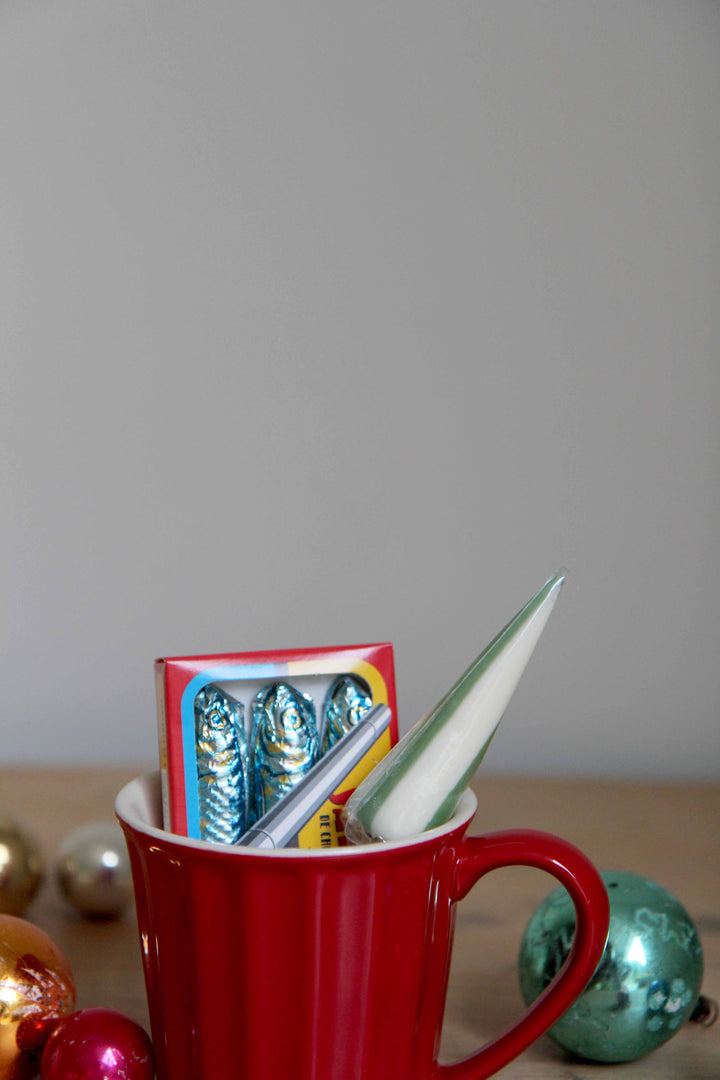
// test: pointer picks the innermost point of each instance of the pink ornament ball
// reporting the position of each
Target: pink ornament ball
(97, 1044)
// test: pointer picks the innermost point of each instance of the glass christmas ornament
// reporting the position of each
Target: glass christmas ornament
(92, 870)
(21, 868)
(36, 992)
(98, 1044)
(647, 983)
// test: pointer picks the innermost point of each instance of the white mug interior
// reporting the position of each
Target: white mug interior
(139, 805)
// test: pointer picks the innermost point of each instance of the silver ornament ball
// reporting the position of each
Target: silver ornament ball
(92, 870)
(21, 867)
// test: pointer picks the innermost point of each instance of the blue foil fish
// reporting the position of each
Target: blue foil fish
(346, 702)
(285, 743)
(222, 766)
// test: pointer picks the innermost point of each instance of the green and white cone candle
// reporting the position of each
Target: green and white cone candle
(417, 785)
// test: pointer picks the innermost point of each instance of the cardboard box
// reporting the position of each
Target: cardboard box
(243, 675)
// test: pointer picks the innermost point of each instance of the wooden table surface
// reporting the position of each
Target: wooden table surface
(667, 832)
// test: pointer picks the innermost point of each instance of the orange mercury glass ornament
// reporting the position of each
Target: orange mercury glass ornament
(37, 990)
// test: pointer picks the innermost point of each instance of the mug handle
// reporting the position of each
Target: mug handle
(475, 857)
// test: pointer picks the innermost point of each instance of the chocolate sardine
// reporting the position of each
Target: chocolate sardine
(284, 743)
(222, 766)
(346, 702)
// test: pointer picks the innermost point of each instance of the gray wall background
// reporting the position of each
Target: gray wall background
(331, 322)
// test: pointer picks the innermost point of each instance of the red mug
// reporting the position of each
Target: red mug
(328, 964)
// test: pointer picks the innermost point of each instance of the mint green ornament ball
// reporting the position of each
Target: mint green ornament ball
(648, 980)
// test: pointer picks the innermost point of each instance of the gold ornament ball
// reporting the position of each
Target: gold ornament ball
(92, 870)
(37, 990)
(21, 868)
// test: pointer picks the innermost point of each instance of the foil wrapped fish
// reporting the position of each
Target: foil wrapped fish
(285, 743)
(222, 766)
(346, 702)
